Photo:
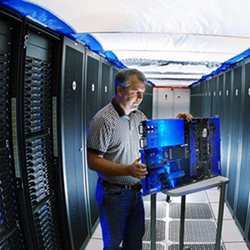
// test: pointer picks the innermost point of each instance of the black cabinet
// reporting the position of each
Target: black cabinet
(72, 135)
(105, 84)
(93, 104)
(146, 105)
(244, 184)
(38, 162)
(11, 236)
(195, 102)
(235, 134)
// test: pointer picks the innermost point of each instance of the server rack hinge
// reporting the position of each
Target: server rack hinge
(26, 39)
(19, 183)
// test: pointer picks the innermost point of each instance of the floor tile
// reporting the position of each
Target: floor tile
(213, 195)
(227, 215)
(98, 232)
(230, 232)
(236, 246)
(94, 244)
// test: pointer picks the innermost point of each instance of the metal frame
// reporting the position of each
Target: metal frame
(218, 181)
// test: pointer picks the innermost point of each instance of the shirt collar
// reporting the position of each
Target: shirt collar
(119, 109)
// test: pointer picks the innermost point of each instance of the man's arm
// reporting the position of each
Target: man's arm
(98, 163)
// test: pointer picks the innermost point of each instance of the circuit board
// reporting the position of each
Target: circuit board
(178, 153)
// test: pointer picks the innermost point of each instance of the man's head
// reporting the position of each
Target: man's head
(129, 88)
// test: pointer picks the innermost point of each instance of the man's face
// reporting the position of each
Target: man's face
(132, 95)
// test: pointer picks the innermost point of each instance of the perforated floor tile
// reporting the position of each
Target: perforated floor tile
(194, 247)
(195, 231)
(160, 230)
(193, 211)
(161, 210)
(146, 246)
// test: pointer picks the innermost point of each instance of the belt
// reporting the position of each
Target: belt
(136, 186)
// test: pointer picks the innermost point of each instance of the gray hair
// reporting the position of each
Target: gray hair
(122, 77)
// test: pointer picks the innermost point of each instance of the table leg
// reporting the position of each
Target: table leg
(182, 222)
(153, 221)
(220, 216)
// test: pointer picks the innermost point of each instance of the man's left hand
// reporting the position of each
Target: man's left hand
(186, 116)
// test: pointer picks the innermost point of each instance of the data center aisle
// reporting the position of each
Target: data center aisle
(201, 214)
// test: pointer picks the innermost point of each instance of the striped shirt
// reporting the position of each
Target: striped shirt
(116, 136)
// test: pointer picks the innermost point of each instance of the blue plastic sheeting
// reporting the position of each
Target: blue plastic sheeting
(39, 15)
(90, 42)
(112, 58)
(226, 65)
(150, 82)
(47, 19)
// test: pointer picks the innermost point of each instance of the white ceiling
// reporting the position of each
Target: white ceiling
(173, 42)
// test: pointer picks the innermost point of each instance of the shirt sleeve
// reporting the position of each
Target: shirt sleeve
(99, 135)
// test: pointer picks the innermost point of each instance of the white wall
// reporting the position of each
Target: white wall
(168, 102)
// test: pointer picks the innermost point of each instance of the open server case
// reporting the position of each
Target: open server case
(178, 153)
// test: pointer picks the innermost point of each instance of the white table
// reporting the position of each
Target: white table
(218, 181)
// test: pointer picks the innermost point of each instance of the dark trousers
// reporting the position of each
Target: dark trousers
(122, 217)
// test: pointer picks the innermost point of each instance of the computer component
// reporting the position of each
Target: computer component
(178, 153)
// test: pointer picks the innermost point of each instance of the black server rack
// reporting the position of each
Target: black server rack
(231, 103)
(220, 106)
(146, 105)
(35, 136)
(214, 97)
(204, 97)
(195, 104)
(73, 135)
(114, 71)
(243, 192)
(235, 133)
(219, 95)
(225, 121)
(11, 236)
(209, 99)
(105, 86)
(93, 104)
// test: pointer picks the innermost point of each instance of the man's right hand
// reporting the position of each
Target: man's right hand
(137, 169)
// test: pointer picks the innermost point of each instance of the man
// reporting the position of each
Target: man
(113, 152)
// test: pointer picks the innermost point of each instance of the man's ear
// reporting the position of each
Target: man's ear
(119, 91)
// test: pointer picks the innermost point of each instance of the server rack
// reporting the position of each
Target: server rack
(235, 133)
(231, 102)
(195, 104)
(114, 71)
(73, 139)
(11, 230)
(35, 135)
(226, 139)
(106, 83)
(92, 105)
(146, 105)
(243, 190)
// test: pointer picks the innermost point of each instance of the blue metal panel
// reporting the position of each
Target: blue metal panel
(162, 133)
(178, 153)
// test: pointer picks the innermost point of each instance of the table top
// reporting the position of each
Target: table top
(197, 187)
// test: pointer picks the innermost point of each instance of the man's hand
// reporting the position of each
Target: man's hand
(137, 169)
(186, 116)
